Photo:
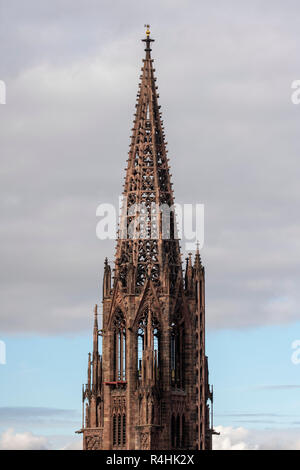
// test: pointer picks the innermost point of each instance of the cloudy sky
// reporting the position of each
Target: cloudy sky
(224, 73)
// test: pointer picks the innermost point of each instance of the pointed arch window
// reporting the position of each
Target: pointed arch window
(119, 345)
(148, 339)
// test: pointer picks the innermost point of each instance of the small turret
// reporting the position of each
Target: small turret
(198, 262)
(189, 274)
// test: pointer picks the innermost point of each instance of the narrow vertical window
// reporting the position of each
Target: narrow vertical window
(182, 357)
(155, 333)
(177, 361)
(114, 356)
(119, 355)
(173, 358)
(156, 351)
(140, 350)
(173, 431)
(114, 430)
(119, 345)
(200, 294)
(178, 358)
(147, 340)
(124, 355)
(119, 430)
(177, 432)
(183, 432)
(124, 430)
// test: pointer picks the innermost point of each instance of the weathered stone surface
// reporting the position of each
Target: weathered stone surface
(149, 389)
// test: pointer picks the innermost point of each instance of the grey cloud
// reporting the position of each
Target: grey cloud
(30, 411)
(239, 438)
(37, 418)
(224, 77)
(274, 419)
(9, 440)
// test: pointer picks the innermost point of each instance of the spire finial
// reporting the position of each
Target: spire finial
(148, 41)
(197, 256)
(147, 30)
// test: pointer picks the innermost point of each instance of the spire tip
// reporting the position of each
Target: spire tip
(147, 30)
(148, 40)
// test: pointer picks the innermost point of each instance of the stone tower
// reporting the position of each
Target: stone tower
(149, 387)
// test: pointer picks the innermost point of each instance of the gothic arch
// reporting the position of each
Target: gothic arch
(149, 297)
(118, 303)
(181, 307)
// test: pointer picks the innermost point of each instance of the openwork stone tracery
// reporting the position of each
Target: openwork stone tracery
(148, 381)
